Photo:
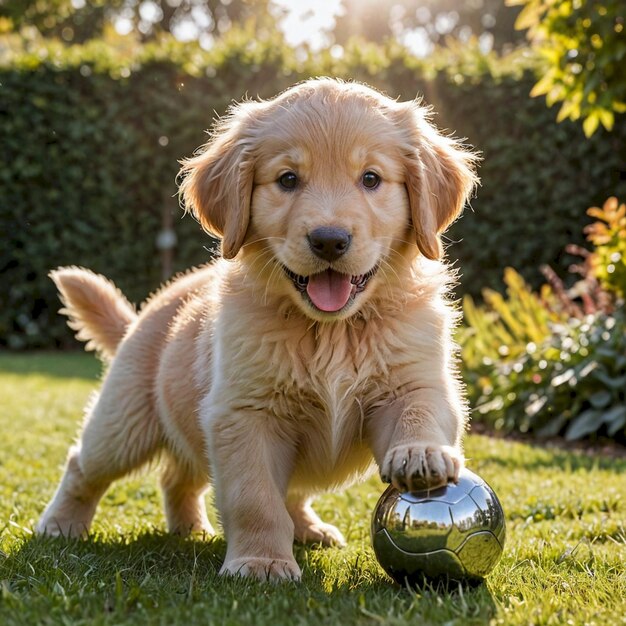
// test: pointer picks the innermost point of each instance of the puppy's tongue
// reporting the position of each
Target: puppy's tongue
(329, 290)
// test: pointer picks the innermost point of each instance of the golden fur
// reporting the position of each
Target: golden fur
(237, 377)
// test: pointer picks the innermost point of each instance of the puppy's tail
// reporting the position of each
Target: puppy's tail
(96, 308)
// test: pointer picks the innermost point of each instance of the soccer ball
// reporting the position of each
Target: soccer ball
(452, 533)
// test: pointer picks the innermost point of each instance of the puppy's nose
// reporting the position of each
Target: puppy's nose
(329, 242)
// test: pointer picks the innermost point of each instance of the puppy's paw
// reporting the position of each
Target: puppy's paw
(54, 527)
(413, 467)
(320, 532)
(269, 570)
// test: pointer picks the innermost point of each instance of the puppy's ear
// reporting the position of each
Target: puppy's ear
(217, 183)
(440, 176)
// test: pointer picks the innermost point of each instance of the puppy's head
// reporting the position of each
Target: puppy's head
(328, 189)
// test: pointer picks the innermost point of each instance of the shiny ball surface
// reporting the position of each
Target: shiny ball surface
(451, 533)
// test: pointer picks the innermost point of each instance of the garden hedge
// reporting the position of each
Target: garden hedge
(91, 141)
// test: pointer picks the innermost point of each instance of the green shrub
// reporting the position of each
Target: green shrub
(608, 235)
(555, 362)
(573, 383)
(92, 136)
(503, 328)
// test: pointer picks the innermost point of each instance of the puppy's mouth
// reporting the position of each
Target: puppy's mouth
(330, 291)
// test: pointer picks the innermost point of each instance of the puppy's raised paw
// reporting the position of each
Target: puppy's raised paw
(268, 570)
(413, 467)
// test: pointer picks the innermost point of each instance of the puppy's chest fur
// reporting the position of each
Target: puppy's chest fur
(317, 383)
(322, 381)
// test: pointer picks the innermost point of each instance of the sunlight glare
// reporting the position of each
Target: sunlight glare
(308, 21)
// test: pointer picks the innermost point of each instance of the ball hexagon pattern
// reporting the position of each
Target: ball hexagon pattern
(452, 533)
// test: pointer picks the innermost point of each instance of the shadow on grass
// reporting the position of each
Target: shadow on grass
(51, 364)
(156, 573)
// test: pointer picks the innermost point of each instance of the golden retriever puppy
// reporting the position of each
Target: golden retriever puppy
(319, 343)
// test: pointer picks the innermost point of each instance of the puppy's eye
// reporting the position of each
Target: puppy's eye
(288, 181)
(370, 180)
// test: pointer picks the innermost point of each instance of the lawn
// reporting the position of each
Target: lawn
(564, 561)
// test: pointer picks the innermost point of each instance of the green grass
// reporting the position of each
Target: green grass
(564, 561)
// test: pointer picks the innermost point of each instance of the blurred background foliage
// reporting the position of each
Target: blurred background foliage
(101, 99)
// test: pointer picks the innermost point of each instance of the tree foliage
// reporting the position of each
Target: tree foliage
(583, 44)
(434, 21)
(78, 21)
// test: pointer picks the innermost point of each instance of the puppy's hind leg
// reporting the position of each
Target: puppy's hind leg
(72, 508)
(121, 433)
(308, 527)
(183, 496)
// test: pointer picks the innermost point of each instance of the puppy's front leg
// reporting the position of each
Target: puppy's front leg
(416, 439)
(252, 459)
